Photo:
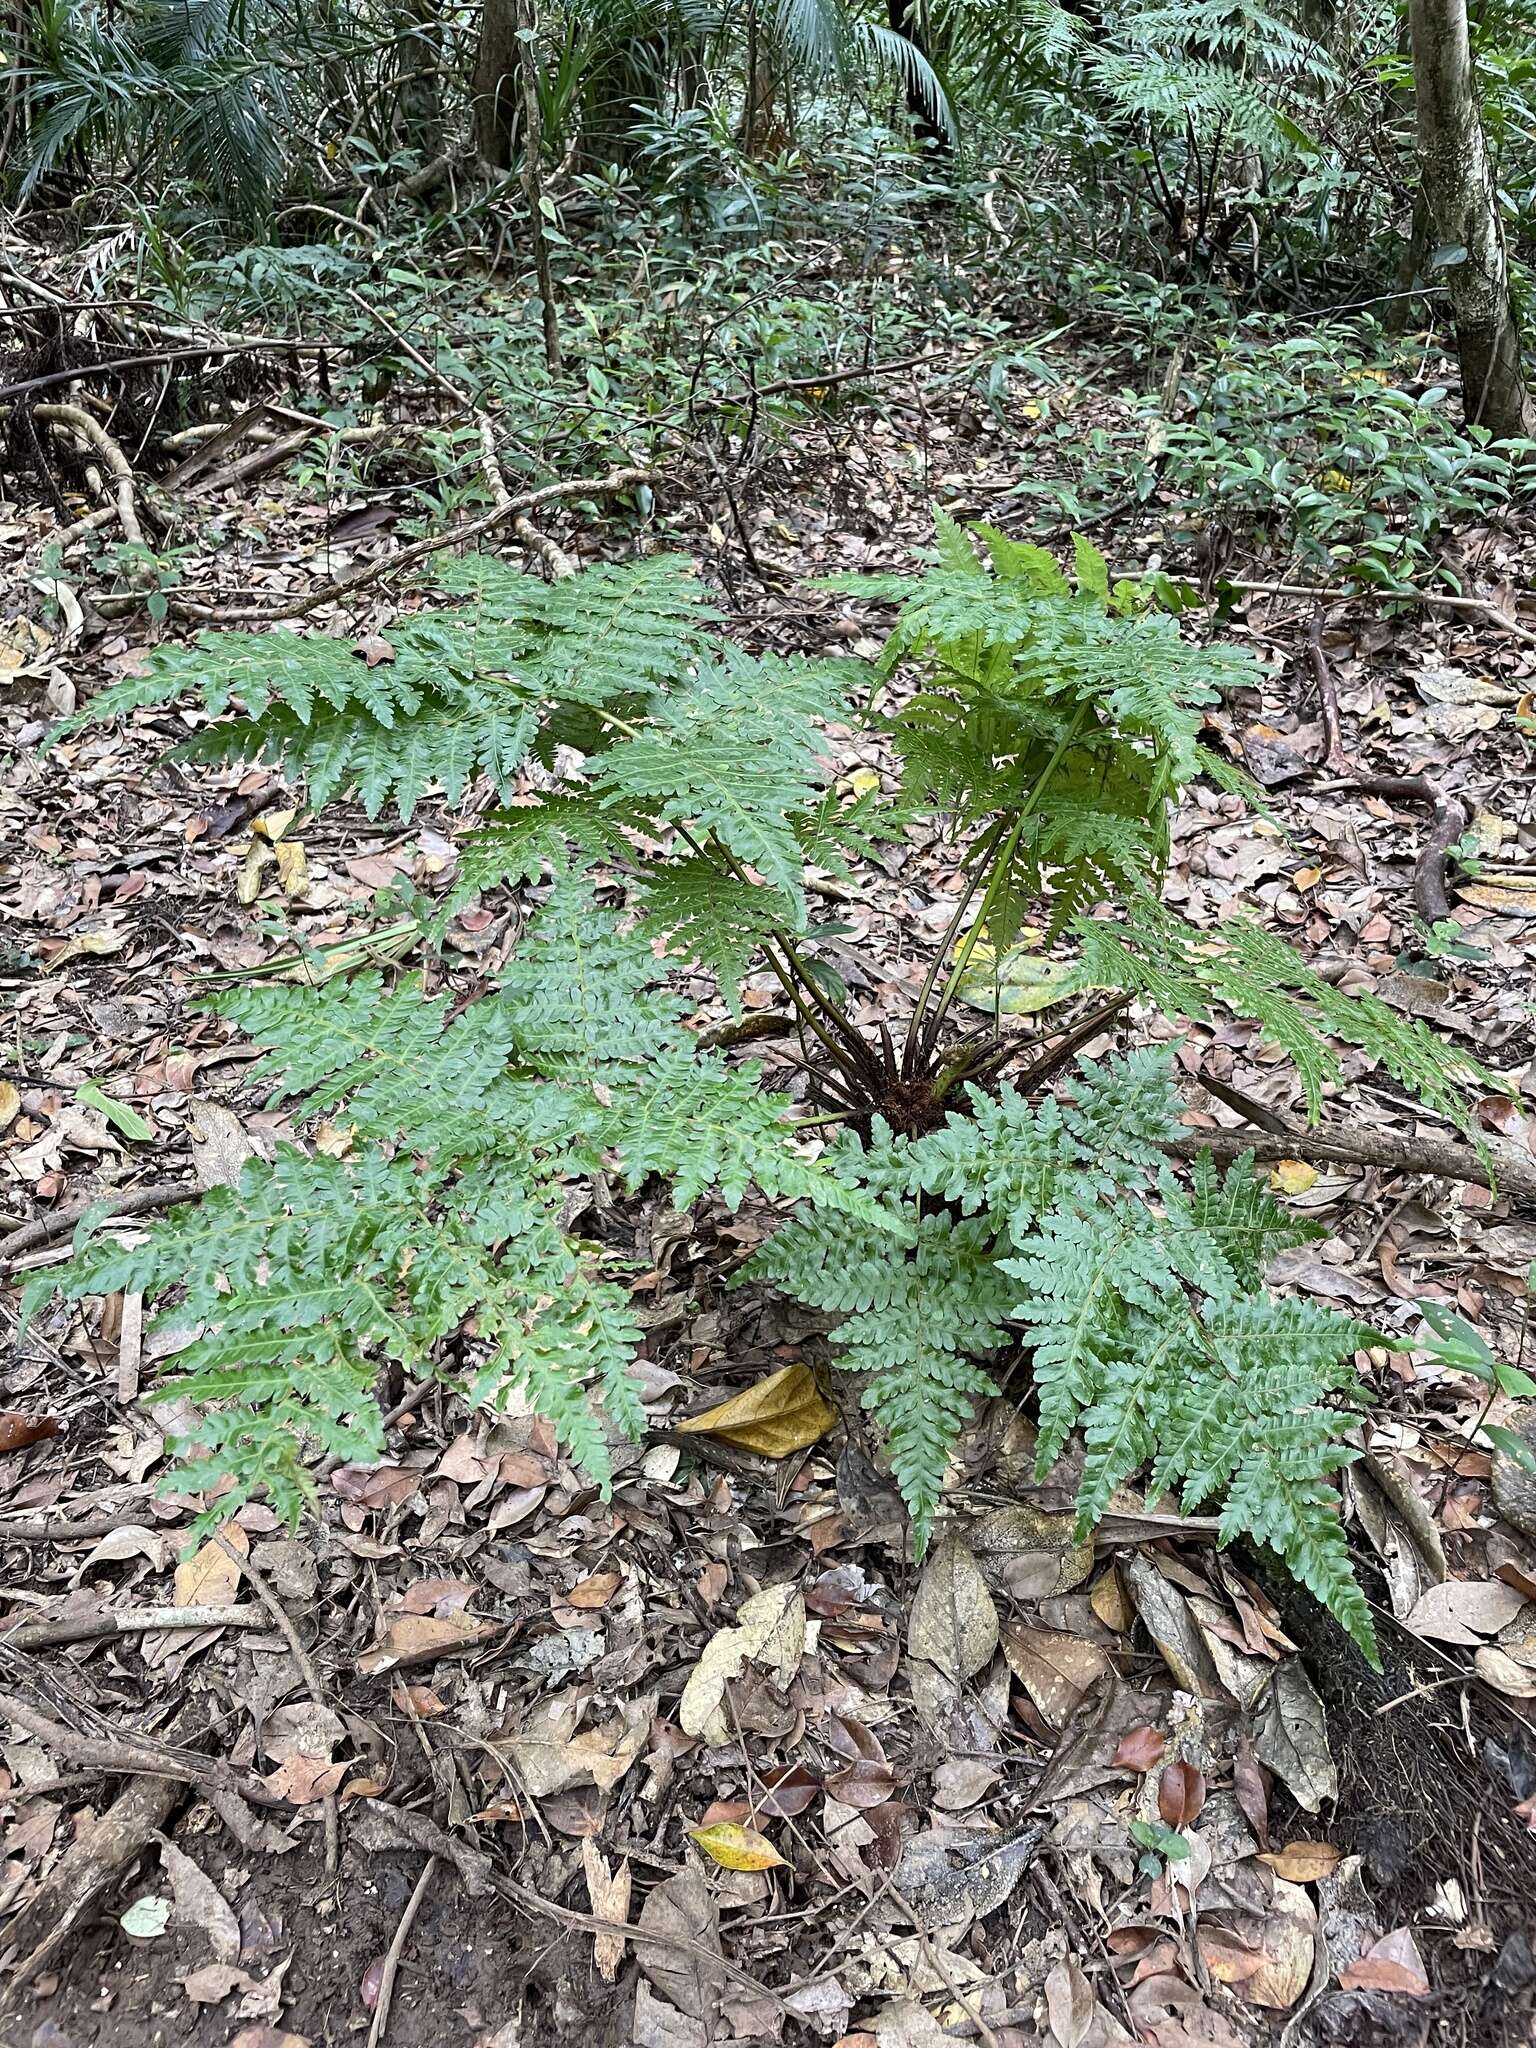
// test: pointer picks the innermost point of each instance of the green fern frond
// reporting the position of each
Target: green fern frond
(701, 914)
(735, 755)
(1242, 968)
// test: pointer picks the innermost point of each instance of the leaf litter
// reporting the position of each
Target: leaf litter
(782, 1784)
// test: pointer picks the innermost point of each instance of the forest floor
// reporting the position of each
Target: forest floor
(476, 1692)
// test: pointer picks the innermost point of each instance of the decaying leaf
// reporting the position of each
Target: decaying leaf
(769, 1631)
(199, 1903)
(735, 1847)
(689, 1969)
(780, 1415)
(608, 1893)
(1180, 1794)
(1290, 1736)
(1054, 1667)
(953, 1628)
(1037, 1550)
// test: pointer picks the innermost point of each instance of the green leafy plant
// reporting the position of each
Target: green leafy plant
(1049, 726)
(1140, 1305)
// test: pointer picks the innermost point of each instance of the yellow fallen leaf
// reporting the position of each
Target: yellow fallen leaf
(271, 825)
(863, 782)
(777, 1416)
(248, 886)
(1303, 1862)
(10, 1105)
(734, 1847)
(208, 1578)
(1292, 1176)
(1307, 878)
(292, 867)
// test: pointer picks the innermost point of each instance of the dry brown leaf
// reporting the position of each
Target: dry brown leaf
(421, 1638)
(769, 1631)
(1391, 1964)
(1464, 1610)
(1287, 1937)
(209, 1578)
(1290, 1736)
(1304, 1862)
(608, 1892)
(780, 1415)
(551, 1756)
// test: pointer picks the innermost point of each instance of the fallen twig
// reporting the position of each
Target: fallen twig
(59, 1222)
(305, 1662)
(1443, 600)
(1335, 760)
(394, 1952)
(61, 1529)
(1437, 1156)
(129, 1621)
(389, 565)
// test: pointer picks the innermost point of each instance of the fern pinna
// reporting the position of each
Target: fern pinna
(664, 795)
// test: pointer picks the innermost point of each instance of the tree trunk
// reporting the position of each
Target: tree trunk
(493, 88)
(1463, 211)
(526, 59)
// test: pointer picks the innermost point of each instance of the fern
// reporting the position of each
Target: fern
(1243, 968)
(467, 690)
(1141, 1304)
(442, 1221)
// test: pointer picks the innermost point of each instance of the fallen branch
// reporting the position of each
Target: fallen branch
(131, 1621)
(1335, 760)
(74, 420)
(193, 352)
(1439, 1156)
(1448, 824)
(59, 1222)
(61, 1529)
(94, 1860)
(1443, 600)
(389, 565)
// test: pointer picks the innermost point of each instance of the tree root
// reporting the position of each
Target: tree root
(75, 421)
